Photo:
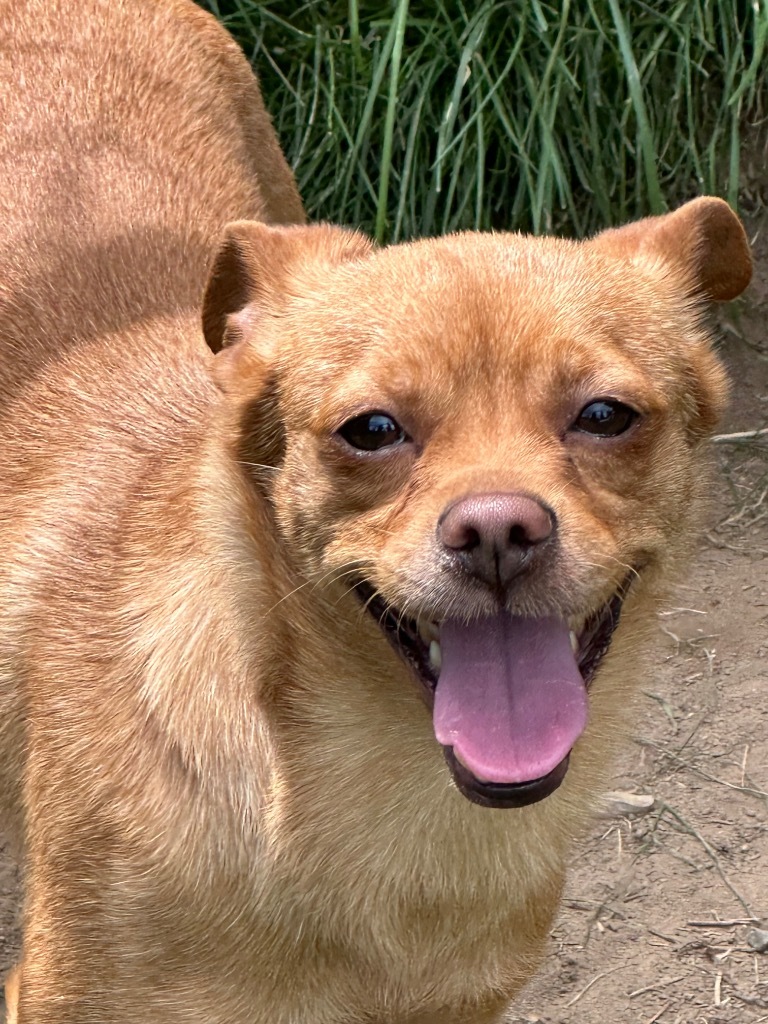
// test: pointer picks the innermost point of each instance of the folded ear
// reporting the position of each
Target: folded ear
(704, 240)
(259, 266)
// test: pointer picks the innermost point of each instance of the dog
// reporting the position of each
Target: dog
(327, 568)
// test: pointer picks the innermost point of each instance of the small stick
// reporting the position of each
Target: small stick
(656, 1015)
(712, 856)
(577, 904)
(718, 985)
(742, 435)
(732, 923)
(750, 1000)
(594, 981)
(655, 985)
(752, 790)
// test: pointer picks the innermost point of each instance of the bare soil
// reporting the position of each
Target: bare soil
(658, 906)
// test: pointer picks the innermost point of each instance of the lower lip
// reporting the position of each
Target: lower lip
(494, 794)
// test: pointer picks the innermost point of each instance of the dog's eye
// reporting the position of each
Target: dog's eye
(605, 418)
(372, 431)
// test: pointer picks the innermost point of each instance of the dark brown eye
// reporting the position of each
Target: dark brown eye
(605, 418)
(373, 431)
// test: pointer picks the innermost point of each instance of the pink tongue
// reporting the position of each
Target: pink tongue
(510, 699)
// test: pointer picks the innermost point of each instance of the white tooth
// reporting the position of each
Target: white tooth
(574, 642)
(435, 656)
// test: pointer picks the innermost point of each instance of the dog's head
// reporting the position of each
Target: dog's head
(490, 439)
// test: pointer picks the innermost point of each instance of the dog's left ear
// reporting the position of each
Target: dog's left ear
(256, 272)
(258, 267)
(704, 240)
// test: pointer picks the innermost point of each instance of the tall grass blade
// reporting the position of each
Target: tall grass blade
(398, 29)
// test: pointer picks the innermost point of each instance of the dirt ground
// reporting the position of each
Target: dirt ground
(658, 906)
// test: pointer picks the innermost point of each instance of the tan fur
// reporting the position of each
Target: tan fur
(233, 807)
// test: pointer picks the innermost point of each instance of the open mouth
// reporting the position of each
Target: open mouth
(508, 694)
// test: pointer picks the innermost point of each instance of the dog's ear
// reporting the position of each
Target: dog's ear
(703, 244)
(704, 240)
(257, 270)
(259, 266)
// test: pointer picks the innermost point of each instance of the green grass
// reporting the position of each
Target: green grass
(416, 118)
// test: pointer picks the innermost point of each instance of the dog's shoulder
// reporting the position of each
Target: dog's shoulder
(114, 190)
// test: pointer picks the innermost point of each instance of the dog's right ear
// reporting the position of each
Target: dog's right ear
(258, 267)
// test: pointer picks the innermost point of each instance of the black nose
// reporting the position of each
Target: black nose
(493, 536)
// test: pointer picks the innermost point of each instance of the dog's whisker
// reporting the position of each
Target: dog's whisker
(258, 465)
(349, 589)
(285, 597)
(345, 569)
(629, 570)
(314, 582)
(383, 530)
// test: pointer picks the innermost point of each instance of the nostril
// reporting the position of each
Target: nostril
(519, 536)
(458, 533)
(472, 540)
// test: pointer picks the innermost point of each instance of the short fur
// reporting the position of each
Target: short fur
(232, 805)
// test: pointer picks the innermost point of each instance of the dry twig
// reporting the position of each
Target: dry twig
(587, 987)
(741, 435)
(655, 985)
(711, 854)
(731, 923)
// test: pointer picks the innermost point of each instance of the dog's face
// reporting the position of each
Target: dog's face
(492, 439)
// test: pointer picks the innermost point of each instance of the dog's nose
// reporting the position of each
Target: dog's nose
(493, 536)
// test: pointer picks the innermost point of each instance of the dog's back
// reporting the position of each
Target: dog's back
(130, 135)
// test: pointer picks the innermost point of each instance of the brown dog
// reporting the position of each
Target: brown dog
(428, 475)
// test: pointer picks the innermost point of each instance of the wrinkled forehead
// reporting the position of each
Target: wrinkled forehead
(453, 315)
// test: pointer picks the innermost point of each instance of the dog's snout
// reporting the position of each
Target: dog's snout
(493, 536)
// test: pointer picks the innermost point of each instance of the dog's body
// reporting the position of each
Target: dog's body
(233, 803)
